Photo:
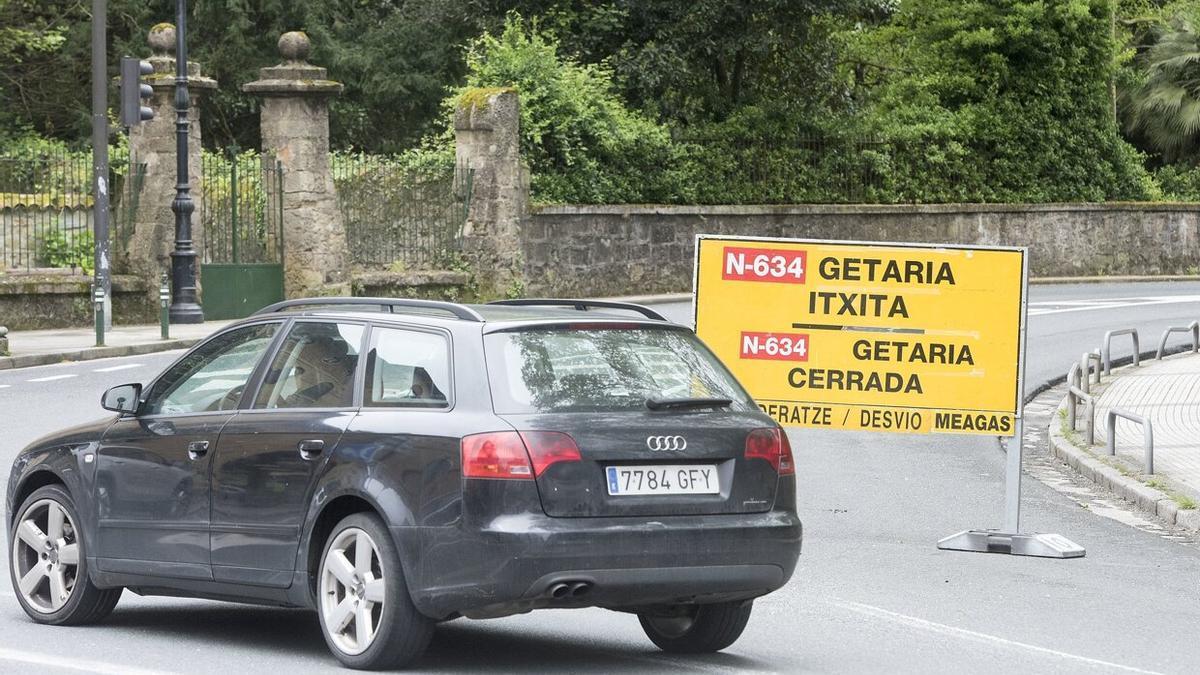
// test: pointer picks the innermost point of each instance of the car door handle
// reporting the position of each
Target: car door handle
(310, 449)
(197, 449)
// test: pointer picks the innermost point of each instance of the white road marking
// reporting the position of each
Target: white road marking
(52, 377)
(72, 663)
(1061, 307)
(5, 386)
(943, 629)
(112, 369)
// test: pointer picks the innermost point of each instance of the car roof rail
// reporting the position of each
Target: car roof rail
(390, 304)
(582, 305)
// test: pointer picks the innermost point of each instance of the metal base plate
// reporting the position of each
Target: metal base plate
(994, 541)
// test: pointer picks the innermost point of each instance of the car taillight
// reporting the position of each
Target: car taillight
(773, 446)
(549, 447)
(495, 455)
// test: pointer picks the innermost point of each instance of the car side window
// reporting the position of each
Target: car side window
(212, 377)
(314, 368)
(407, 369)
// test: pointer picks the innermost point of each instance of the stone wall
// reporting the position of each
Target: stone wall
(36, 301)
(616, 250)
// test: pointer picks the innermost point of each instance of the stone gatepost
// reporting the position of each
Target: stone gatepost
(487, 125)
(295, 130)
(148, 253)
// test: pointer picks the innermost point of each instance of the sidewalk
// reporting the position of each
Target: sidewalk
(42, 347)
(1167, 393)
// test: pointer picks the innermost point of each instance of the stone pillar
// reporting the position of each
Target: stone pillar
(487, 125)
(295, 130)
(153, 142)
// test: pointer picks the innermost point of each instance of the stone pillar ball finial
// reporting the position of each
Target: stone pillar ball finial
(162, 39)
(294, 46)
(3, 331)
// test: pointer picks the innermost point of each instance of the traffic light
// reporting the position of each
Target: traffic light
(134, 91)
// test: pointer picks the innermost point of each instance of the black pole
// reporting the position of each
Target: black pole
(102, 284)
(185, 307)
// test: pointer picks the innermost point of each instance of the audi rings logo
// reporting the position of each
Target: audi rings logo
(666, 443)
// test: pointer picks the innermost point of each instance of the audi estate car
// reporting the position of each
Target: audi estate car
(396, 463)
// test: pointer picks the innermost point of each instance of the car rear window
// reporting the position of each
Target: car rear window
(601, 369)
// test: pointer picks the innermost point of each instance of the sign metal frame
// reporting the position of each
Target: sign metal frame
(1008, 539)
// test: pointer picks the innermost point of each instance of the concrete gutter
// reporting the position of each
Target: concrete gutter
(1123, 481)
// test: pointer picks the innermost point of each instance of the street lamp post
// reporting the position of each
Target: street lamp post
(184, 305)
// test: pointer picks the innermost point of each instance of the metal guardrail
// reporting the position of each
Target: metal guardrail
(1106, 351)
(1193, 328)
(1084, 363)
(1075, 395)
(1089, 402)
(1110, 424)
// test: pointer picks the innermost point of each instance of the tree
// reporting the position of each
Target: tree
(1002, 100)
(581, 141)
(1165, 108)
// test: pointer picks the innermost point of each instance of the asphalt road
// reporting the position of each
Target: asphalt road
(872, 593)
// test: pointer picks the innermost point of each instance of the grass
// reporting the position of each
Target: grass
(1184, 502)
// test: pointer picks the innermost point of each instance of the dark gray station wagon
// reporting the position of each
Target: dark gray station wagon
(396, 463)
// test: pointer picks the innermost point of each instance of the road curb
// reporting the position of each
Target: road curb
(92, 353)
(1127, 278)
(1128, 487)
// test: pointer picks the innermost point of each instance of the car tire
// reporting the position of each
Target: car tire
(367, 626)
(42, 568)
(697, 629)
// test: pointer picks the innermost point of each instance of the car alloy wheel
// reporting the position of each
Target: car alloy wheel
(45, 556)
(352, 590)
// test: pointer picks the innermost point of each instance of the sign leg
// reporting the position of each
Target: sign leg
(1010, 540)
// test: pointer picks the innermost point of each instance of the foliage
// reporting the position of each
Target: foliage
(1002, 101)
(74, 249)
(689, 63)
(580, 140)
(699, 101)
(1164, 107)
(1180, 182)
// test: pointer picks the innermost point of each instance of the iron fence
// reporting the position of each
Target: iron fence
(242, 211)
(46, 208)
(397, 216)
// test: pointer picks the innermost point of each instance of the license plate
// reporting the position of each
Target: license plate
(675, 479)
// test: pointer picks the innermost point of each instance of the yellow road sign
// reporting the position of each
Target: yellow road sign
(868, 336)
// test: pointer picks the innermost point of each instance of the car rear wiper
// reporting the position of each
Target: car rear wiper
(674, 403)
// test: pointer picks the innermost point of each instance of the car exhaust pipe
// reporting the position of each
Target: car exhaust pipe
(559, 591)
(580, 589)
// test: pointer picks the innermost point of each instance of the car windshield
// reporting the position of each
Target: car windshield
(603, 369)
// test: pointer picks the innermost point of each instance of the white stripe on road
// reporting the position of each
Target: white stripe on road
(112, 369)
(943, 629)
(71, 663)
(52, 377)
(1037, 309)
(5, 386)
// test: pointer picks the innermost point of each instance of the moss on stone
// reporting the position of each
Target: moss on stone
(477, 97)
(158, 27)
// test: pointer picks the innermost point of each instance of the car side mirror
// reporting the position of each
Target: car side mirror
(124, 399)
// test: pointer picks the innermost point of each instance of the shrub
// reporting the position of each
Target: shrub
(581, 142)
(74, 249)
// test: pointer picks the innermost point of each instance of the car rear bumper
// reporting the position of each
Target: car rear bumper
(519, 563)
